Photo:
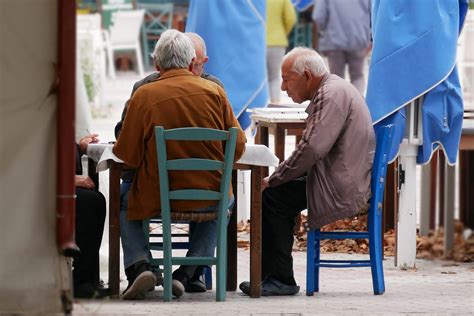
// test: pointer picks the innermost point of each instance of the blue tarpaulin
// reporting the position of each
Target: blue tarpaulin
(234, 32)
(413, 56)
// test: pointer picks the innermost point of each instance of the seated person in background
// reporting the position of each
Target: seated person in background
(90, 217)
(196, 284)
(328, 173)
(177, 99)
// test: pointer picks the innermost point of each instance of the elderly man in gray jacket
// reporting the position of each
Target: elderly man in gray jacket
(328, 173)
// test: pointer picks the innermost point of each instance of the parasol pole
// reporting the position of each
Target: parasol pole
(406, 217)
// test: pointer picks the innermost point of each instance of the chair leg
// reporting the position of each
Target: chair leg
(375, 249)
(167, 260)
(310, 263)
(208, 277)
(221, 266)
(110, 60)
(139, 61)
(317, 258)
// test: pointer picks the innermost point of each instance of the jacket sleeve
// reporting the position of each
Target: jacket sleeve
(320, 14)
(118, 126)
(231, 121)
(323, 127)
(130, 146)
(289, 16)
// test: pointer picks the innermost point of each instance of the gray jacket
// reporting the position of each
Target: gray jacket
(336, 153)
(342, 24)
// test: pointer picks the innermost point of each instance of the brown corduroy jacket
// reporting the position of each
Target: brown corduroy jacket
(177, 99)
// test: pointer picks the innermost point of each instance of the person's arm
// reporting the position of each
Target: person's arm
(320, 14)
(324, 125)
(289, 16)
(150, 78)
(118, 126)
(86, 140)
(130, 146)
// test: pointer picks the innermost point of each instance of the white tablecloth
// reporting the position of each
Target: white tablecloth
(258, 155)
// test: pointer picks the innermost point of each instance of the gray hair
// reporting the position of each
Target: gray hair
(173, 50)
(305, 58)
(197, 39)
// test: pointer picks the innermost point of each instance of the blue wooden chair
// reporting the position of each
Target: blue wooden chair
(374, 234)
(221, 196)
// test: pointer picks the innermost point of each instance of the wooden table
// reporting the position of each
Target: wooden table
(255, 228)
(280, 121)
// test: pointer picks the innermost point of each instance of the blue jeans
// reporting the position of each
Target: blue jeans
(203, 236)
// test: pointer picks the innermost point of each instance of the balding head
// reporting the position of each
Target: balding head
(303, 58)
(200, 48)
(302, 70)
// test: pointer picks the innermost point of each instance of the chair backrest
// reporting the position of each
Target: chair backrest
(126, 27)
(195, 134)
(379, 170)
(158, 17)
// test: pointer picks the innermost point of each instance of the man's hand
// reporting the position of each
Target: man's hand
(84, 182)
(86, 140)
(265, 183)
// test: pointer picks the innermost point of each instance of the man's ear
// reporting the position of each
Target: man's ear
(307, 75)
(191, 65)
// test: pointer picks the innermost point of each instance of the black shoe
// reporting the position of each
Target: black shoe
(88, 290)
(196, 285)
(245, 287)
(271, 286)
(140, 280)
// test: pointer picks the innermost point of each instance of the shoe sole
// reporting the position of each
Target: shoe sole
(287, 291)
(140, 286)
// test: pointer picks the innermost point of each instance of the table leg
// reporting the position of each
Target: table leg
(280, 143)
(255, 232)
(262, 138)
(114, 229)
(232, 241)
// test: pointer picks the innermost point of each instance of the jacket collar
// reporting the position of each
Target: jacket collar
(175, 72)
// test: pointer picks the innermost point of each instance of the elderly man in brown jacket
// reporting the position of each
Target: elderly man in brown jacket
(177, 99)
(329, 171)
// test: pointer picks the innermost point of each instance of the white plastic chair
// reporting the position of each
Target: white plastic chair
(124, 34)
(90, 34)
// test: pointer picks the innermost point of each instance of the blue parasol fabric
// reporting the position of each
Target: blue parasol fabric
(234, 32)
(413, 56)
(302, 5)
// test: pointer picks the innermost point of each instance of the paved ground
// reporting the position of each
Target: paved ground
(434, 288)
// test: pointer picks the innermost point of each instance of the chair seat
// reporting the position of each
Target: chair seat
(193, 216)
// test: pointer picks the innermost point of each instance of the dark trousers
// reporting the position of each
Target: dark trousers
(280, 205)
(90, 218)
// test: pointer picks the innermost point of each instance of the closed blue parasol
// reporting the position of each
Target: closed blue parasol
(234, 32)
(413, 84)
(414, 55)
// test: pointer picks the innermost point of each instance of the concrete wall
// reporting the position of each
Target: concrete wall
(29, 261)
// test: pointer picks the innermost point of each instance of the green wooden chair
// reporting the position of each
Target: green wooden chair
(225, 167)
(158, 18)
